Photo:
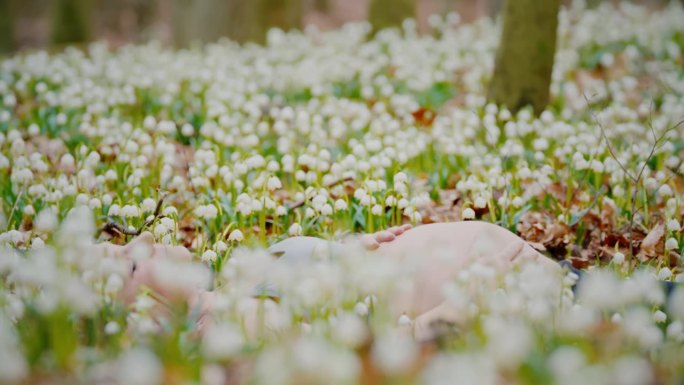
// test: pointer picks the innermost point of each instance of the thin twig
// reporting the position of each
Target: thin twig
(114, 228)
(635, 179)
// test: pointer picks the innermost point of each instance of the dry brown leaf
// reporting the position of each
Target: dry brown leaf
(652, 245)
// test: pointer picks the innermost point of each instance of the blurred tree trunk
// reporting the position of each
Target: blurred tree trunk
(6, 26)
(250, 21)
(145, 12)
(71, 21)
(495, 8)
(524, 59)
(390, 13)
(240, 20)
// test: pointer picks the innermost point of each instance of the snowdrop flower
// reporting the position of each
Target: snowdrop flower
(148, 205)
(129, 211)
(673, 225)
(664, 273)
(361, 309)
(309, 212)
(206, 212)
(220, 247)
(350, 330)
(138, 366)
(618, 258)
(280, 211)
(46, 221)
(114, 210)
(295, 230)
(671, 244)
(210, 255)
(170, 211)
(222, 341)
(112, 328)
(468, 213)
(400, 178)
(273, 183)
(659, 316)
(394, 352)
(327, 209)
(236, 236)
(340, 205)
(404, 320)
(517, 202)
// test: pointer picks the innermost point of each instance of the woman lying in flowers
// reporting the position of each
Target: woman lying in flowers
(434, 254)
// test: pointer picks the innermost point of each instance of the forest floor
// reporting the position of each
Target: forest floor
(226, 149)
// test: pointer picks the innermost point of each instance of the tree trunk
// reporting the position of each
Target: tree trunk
(240, 20)
(6, 27)
(390, 13)
(524, 60)
(71, 21)
(250, 21)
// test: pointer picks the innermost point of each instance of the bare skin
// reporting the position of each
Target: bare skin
(444, 250)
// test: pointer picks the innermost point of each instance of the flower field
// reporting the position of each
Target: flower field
(226, 149)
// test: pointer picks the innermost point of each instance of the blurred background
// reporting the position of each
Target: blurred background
(32, 24)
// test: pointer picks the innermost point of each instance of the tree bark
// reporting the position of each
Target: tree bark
(71, 21)
(240, 20)
(524, 59)
(390, 13)
(6, 27)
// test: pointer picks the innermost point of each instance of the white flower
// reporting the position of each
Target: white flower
(361, 309)
(340, 205)
(208, 212)
(404, 320)
(309, 212)
(326, 209)
(187, 129)
(295, 230)
(222, 341)
(673, 225)
(517, 202)
(236, 236)
(209, 256)
(468, 213)
(112, 328)
(664, 273)
(365, 200)
(114, 210)
(671, 244)
(170, 211)
(29, 210)
(659, 317)
(376, 210)
(350, 330)
(400, 178)
(129, 211)
(138, 366)
(273, 183)
(220, 246)
(395, 352)
(67, 162)
(480, 203)
(280, 211)
(95, 203)
(46, 221)
(618, 258)
(148, 205)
